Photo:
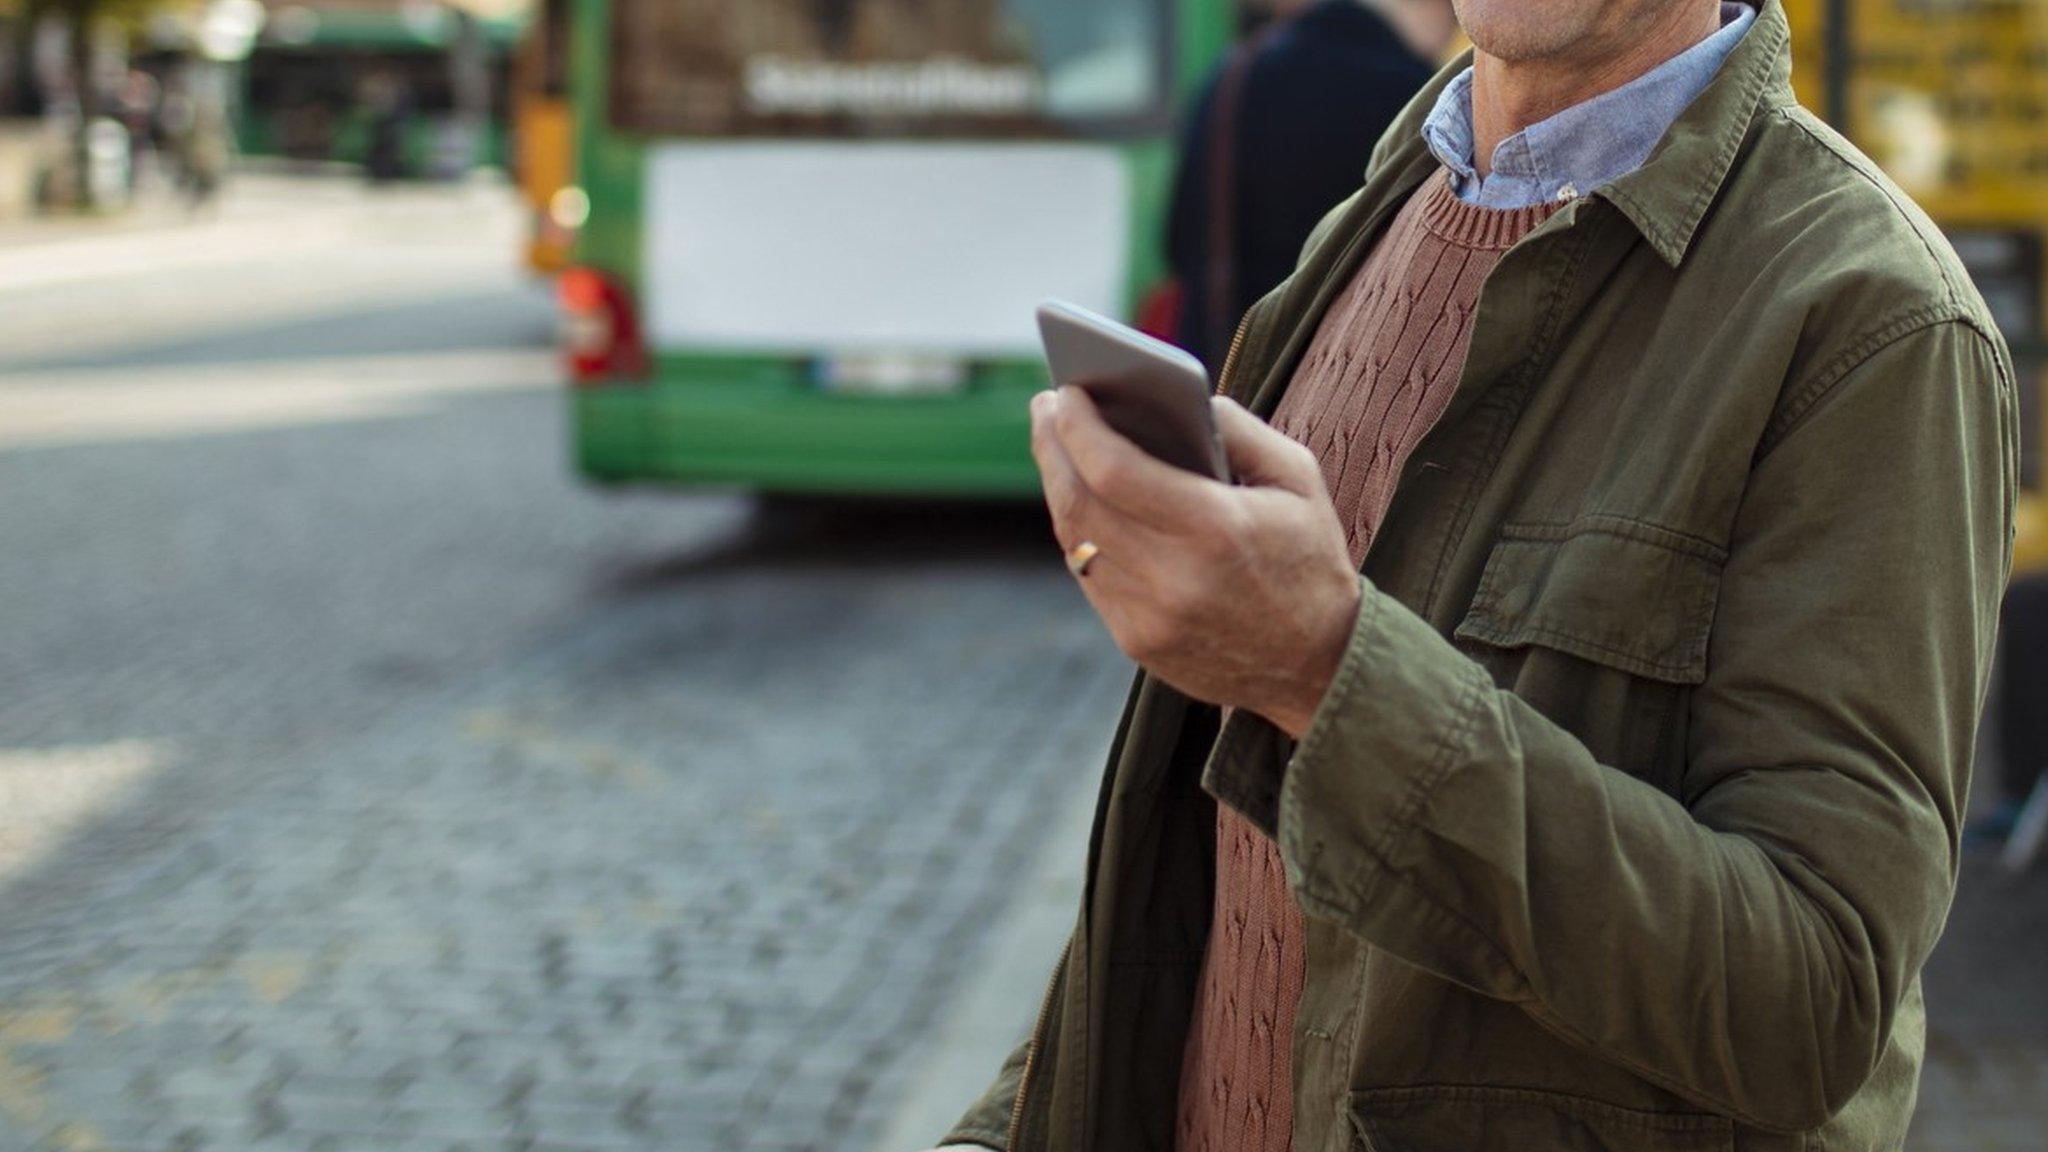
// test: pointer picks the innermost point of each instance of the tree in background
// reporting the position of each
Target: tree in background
(18, 93)
(84, 20)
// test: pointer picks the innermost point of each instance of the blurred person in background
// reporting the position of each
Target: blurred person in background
(2020, 695)
(386, 107)
(208, 150)
(1254, 15)
(1280, 133)
(198, 139)
(136, 106)
(1558, 738)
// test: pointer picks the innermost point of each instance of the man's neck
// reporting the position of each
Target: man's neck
(1510, 95)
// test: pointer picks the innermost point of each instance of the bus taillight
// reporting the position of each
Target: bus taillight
(1159, 311)
(600, 329)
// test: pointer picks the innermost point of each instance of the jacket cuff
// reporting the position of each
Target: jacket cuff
(1388, 732)
(1247, 767)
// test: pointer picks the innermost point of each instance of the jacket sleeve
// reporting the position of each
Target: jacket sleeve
(1748, 946)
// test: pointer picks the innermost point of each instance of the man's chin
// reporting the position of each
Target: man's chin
(1525, 31)
(1522, 45)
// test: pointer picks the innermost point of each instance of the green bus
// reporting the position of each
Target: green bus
(316, 78)
(811, 233)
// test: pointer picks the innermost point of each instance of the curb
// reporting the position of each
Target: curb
(990, 1014)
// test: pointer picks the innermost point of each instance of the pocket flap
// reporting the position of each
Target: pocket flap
(1610, 590)
(1476, 1119)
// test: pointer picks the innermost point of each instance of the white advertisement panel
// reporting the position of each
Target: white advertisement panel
(827, 248)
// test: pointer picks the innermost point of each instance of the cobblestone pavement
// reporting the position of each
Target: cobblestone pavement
(417, 798)
(692, 875)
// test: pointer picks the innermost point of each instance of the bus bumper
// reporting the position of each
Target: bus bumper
(806, 441)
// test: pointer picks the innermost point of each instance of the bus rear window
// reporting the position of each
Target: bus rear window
(925, 68)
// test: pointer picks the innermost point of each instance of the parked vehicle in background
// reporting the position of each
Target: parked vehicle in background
(817, 229)
(411, 89)
(1949, 99)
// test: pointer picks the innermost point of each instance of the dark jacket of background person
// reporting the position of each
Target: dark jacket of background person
(1321, 89)
(1632, 814)
(2022, 716)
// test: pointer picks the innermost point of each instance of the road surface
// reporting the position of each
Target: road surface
(367, 783)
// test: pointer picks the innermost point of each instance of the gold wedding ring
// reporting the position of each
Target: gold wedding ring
(1081, 556)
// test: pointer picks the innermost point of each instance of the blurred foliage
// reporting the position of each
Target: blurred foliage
(127, 12)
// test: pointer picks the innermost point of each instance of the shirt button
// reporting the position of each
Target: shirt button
(1567, 193)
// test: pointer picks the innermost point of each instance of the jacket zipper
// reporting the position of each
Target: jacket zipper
(1031, 1049)
(1230, 357)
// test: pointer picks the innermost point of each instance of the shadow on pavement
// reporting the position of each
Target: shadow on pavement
(480, 322)
(826, 533)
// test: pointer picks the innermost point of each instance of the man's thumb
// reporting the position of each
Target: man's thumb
(1261, 457)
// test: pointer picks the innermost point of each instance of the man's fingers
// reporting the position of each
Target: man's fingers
(1121, 474)
(1078, 513)
(1262, 457)
(1064, 494)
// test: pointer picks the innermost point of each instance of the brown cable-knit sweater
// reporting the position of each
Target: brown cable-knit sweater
(1379, 373)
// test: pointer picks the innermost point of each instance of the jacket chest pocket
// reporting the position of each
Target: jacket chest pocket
(1602, 625)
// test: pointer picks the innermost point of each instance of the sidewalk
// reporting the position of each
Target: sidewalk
(258, 194)
(20, 144)
(26, 228)
(277, 247)
(992, 1012)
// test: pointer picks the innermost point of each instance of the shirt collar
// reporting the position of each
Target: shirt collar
(1589, 145)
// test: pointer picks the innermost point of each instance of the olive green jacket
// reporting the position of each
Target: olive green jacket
(1632, 814)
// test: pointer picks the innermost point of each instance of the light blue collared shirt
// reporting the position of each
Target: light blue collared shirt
(1587, 145)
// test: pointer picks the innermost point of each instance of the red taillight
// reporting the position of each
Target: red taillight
(1159, 311)
(600, 329)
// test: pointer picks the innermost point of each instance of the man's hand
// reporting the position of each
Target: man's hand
(1240, 596)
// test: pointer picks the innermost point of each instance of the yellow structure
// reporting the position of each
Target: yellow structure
(544, 139)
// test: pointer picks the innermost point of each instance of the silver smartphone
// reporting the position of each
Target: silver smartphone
(1153, 393)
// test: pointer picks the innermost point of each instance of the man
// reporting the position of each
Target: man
(1263, 157)
(1616, 805)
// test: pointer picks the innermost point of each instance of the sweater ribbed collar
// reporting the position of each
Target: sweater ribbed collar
(1476, 226)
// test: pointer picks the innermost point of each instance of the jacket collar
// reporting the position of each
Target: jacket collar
(1669, 196)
